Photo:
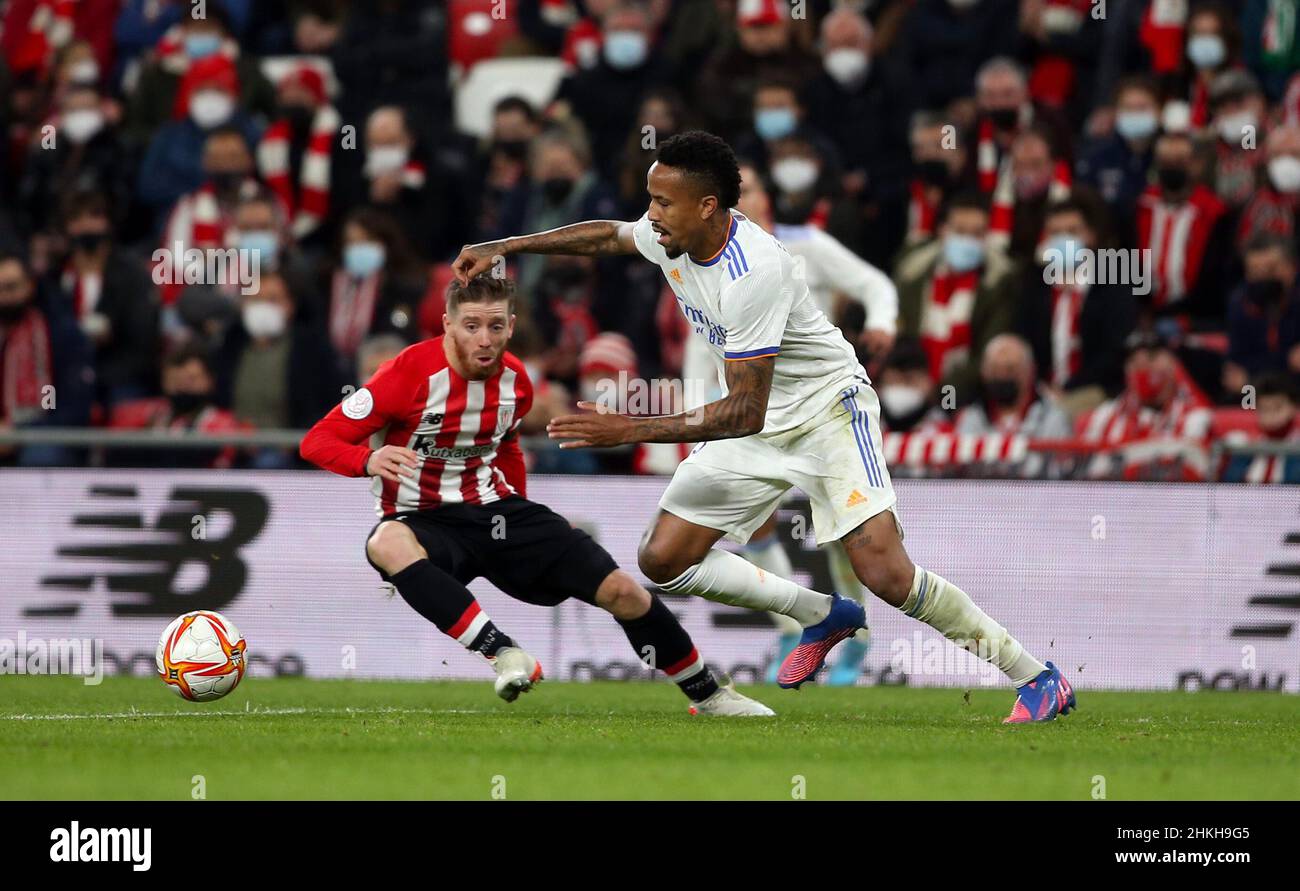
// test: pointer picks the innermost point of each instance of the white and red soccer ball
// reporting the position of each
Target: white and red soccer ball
(201, 656)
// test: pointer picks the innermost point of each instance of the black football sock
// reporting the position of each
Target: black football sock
(447, 603)
(661, 642)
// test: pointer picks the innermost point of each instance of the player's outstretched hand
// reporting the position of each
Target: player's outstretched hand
(474, 259)
(598, 427)
(393, 463)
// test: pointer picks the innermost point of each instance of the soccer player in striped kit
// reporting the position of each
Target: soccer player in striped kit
(797, 410)
(436, 430)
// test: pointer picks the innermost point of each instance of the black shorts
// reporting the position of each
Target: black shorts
(524, 548)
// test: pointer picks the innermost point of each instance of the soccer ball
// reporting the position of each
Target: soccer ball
(201, 656)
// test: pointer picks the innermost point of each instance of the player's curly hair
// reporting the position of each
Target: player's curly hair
(486, 287)
(706, 159)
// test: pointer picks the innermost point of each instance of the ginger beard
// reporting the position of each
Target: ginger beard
(476, 338)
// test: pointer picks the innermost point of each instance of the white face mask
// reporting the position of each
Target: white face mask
(794, 174)
(211, 108)
(84, 72)
(384, 159)
(1284, 173)
(901, 401)
(80, 126)
(1233, 127)
(847, 65)
(263, 318)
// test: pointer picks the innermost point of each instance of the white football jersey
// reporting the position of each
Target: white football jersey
(746, 302)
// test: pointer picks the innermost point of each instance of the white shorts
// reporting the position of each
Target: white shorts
(836, 458)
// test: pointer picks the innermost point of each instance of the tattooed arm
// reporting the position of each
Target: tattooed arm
(594, 238)
(740, 413)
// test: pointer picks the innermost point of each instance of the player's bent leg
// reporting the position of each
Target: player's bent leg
(679, 557)
(662, 643)
(882, 564)
(852, 654)
(396, 551)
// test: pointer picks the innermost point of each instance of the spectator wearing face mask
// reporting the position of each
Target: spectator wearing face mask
(112, 299)
(87, 153)
(563, 189)
(1272, 209)
(1011, 400)
(943, 43)
(1076, 325)
(861, 103)
(202, 218)
(1212, 47)
(766, 48)
(503, 161)
(160, 91)
(778, 116)
(46, 377)
(1063, 38)
(260, 227)
(908, 396)
(1239, 112)
(936, 170)
(175, 162)
(273, 370)
(1187, 231)
(1117, 165)
(294, 155)
(605, 96)
(188, 403)
(1005, 111)
(1263, 315)
(1277, 420)
(1031, 178)
(376, 286)
(429, 199)
(802, 181)
(1158, 405)
(955, 295)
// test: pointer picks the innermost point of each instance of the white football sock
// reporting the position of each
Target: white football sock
(948, 609)
(768, 554)
(729, 578)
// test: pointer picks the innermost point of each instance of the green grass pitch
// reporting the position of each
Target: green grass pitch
(130, 738)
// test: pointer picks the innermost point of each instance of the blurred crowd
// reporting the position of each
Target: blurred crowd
(950, 151)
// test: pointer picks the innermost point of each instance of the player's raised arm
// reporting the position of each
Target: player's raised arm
(594, 238)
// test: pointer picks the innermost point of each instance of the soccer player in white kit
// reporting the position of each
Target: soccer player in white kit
(798, 410)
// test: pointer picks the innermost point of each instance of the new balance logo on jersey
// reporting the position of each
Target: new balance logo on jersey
(432, 419)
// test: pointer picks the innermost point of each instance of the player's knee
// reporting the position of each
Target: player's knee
(889, 578)
(658, 563)
(393, 547)
(622, 597)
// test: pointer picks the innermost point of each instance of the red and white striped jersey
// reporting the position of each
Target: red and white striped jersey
(463, 430)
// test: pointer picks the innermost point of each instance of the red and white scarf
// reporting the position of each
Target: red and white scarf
(312, 206)
(197, 221)
(352, 309)
(1067, 343)
(1176, 235)
(1002, 212)
(27, 367)
(1161, 33)
(945, 319)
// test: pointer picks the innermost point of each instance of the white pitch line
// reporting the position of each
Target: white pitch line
(100, 716)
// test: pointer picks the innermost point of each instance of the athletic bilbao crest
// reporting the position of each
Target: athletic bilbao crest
(505, 414)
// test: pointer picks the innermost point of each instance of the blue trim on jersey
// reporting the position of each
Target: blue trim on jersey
(752, 354)
(731, 233)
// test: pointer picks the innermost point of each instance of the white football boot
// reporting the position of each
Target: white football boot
(516, 672)
(728, 703)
